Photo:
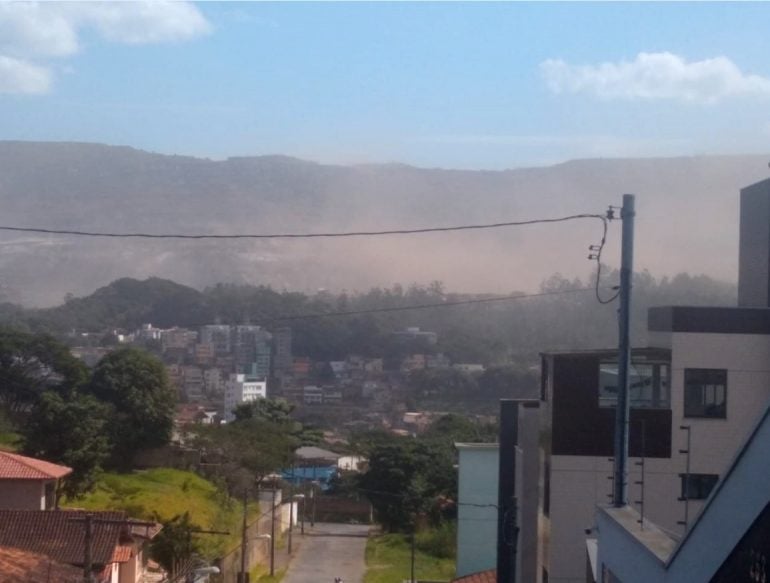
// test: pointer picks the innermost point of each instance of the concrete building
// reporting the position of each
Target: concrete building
(282, 349)
(477, 507)
(727, 543)
(242, 389)
(27, 483)
(698, 388)
(218, 336)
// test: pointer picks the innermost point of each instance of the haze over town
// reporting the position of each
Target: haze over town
(332, 291)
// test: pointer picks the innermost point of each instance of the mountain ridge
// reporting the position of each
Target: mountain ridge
(687, 219)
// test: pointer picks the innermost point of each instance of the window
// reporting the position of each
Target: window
(705, 392)
(648, 385)
(697, 486)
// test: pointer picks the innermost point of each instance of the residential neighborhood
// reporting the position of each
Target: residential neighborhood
(384, 292)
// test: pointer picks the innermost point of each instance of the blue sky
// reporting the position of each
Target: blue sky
(456, 85)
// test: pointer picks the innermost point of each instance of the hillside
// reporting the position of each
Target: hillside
(108, 188)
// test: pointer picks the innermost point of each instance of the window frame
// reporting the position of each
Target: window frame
(710, 409)
(698, 482)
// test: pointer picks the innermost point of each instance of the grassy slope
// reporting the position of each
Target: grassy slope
(388, 559)
(164, 493)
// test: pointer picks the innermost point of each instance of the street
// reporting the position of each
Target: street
(329, 551)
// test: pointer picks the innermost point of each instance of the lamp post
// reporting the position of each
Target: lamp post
(302, 520)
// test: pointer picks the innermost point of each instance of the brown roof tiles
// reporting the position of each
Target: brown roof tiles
(53, 533)
(489, 576)
(19, 467)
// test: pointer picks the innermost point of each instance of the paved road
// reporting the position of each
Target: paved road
(329, 551)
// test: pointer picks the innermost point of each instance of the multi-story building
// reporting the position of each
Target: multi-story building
(218, 335)
(694, 393)
(242, 389)
(251, 349)
(177, 338)
(192, 383)
(213, 381)
(282, 344)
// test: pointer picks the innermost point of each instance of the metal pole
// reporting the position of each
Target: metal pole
(244, 539)
(414, 531)
(620, 470)
(302, 530)
(291, 508)
(686, 493)
(272, 536)
(312, 497)
(88, 572)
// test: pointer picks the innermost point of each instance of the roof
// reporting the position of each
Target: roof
(53, 533)
(17, 566)
(18, 467)
(489, 576)
(316, 453)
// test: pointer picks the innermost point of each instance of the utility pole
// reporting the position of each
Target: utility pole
(291, 507)
(88, 572)
(414, 533)
(243, 575)
(272, 536)
(620, 469)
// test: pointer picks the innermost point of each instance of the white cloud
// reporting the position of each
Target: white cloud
(655, 76)
(39, 31)
(17, 76)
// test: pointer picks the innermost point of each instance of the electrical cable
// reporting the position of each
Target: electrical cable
(598, 258)
(302, 235)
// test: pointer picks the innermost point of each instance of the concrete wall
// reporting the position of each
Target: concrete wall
(477, 526)
(22, 494)
(580, 483)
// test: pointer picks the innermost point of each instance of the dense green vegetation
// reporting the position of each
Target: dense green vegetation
(498, 332)
(164, 494)
(388, 559)
(414, 479)
(64, 413)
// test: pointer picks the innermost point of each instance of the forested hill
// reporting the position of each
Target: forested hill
(96, 187)
(492, 332)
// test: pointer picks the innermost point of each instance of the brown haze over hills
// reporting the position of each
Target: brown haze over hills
(687, 219)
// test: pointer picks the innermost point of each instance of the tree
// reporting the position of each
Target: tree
(135, 385)
(406, 477)
(174, 545)
(31, 364)
(244, 452)
(69, 432)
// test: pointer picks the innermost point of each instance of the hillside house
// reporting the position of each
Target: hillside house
(27, 483)
(118, 549)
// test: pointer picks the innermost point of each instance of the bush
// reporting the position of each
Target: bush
(440, 541)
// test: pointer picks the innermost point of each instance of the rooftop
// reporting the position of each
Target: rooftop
(55, 534)
(489, 576)
(19, 566)
(18, 467)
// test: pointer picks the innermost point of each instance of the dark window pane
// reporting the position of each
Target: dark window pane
(705, 392)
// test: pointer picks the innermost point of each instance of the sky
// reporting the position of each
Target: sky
(453, 85)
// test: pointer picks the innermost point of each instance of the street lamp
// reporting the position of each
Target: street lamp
(301, 497)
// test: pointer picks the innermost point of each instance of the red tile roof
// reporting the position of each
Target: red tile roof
(489, 576)
(121, 554)
(19, 467)
(17, 566)
(54, 534)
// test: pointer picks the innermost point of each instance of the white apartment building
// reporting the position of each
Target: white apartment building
(242, 389)
(695, 393)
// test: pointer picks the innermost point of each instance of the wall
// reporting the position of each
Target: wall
(477, 526)
(22, 495)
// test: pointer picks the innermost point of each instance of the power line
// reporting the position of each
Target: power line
(470, 227)
(434, 305)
